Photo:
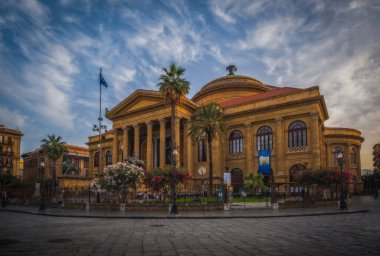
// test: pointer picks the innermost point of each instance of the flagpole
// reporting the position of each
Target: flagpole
(100, 127)
(100, 122)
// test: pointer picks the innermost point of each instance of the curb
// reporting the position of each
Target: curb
(187, 217)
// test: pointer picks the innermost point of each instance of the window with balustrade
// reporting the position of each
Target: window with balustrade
(264, 138)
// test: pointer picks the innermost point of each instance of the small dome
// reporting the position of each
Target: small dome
(229, 87)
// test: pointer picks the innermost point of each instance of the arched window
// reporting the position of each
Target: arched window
(264, 138)
(297, 135)
(202, 156)
(108, 157)
(335, 152)
(96, 159)
(353, 156)
(236, 142)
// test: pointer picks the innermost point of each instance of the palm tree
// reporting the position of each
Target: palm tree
(54, 148)
(173, 86)
(231, 69)
(253, 183)
(208, 120)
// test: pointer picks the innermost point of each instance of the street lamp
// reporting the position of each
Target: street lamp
(174, 205)
(340, 160)
(202, 171)
(42, 171)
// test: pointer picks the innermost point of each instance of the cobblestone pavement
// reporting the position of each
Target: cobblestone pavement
(347, 234)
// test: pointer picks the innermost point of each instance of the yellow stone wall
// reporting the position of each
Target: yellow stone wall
(277, 112)
(10, 151)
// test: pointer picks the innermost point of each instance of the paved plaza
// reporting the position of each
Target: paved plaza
(341, 234)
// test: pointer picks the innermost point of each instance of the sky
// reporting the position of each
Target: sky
(51, 52)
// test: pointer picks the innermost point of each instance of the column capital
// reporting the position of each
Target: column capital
(136, 125)
(248, 124)
(279, 120)
(125, 127)
(149, 122)
(314, 115)
(162, 120)
(178, 117)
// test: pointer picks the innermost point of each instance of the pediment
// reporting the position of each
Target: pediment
(139, 100)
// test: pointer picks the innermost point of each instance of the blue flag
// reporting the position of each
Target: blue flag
(102, 81)
(264, 162)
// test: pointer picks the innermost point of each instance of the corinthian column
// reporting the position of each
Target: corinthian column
(137, 140)
(162, 143)
(114, 147)
(125, 142)
(177, 138)
(149, 146)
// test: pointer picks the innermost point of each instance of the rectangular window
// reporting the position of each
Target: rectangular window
(202, 157)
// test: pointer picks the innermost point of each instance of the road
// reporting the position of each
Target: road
(348, 234)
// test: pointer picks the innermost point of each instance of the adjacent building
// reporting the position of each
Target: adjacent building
(10, 143)
(72, 169)
(290, 122)
(376, 157)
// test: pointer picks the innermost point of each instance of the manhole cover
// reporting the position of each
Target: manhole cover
(8, 241)
(59, 240)
(157, 225)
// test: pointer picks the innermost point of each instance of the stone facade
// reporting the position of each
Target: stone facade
(10, 143)
(72, 169)
(288, 121)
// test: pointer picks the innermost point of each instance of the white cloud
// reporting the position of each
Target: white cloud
(271, 34)
(12, 118)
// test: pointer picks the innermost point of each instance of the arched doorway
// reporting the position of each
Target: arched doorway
(237, 180)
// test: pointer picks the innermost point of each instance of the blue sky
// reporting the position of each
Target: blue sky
(51, 52)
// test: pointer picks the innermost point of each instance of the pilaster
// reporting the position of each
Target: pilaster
(280, 147)
(315, 147)
(248, 153)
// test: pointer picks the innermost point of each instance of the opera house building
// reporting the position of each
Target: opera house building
(290, 122)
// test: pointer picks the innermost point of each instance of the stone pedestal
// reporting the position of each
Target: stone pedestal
(122, 207)
(87, 206)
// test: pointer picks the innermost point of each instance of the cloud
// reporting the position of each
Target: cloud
(12, 118)
(271, 34)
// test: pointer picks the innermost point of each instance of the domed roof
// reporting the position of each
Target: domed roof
(232, 83)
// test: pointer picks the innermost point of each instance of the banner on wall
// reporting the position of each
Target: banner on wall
(264, 162)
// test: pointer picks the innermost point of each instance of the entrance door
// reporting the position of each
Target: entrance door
(237, 180)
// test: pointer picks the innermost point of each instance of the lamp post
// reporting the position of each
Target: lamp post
(174, 201)
(340, 159)
(202, 171)
(42, 171)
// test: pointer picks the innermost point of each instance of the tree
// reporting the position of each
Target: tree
(254, 182)
(208, 120)
(173, 86)
(118, 177)
(54, 148)
(231, 69)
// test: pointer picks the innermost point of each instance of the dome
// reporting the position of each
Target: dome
(229, 87)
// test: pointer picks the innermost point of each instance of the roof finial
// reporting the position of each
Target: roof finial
(231, 70)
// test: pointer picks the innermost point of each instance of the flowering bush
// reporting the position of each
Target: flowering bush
(118, 177)
(324, 177)
(162, 178)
